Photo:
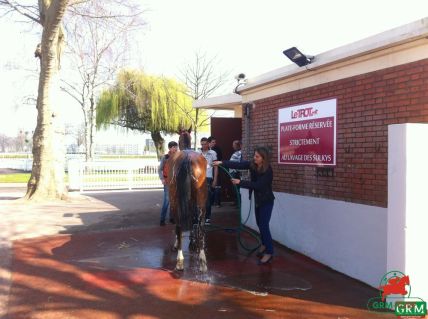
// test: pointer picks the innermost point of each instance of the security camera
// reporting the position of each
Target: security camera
(240, 76)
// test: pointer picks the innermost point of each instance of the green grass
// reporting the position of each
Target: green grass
(24, 177)
(19, 178)
(15, 178)
(16, 156)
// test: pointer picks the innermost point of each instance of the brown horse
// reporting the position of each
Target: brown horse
(188, 195)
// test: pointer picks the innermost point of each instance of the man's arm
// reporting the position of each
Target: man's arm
(160, 169)
(215, 172)
(236, 165)
(215, 176)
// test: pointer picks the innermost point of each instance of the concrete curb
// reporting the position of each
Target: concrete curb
(8, 185)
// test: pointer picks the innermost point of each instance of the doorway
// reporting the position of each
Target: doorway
(226, 130)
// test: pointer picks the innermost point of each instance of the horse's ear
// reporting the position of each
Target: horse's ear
(190, 129)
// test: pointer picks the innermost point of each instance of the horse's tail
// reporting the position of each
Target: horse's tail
(185, 205)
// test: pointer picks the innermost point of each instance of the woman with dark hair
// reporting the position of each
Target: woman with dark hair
(261, 184)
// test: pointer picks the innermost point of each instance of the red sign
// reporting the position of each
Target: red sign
(307, 134)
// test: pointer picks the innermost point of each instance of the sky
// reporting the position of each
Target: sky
(247, 36)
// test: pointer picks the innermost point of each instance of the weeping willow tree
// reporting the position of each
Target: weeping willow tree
(146, 103)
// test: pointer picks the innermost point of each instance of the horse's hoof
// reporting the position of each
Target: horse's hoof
(180, 265)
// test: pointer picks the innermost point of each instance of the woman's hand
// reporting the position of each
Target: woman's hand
(217, 163)
(235, 181)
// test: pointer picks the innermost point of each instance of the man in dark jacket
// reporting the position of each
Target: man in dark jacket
(163, 175)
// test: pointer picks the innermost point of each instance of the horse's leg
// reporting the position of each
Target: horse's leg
(192, 239)
(200, 239)
(173, 210)
(201, 194)
(203, 267)
(193, 245)
(175, 247)
(180, 257)
(172, 213)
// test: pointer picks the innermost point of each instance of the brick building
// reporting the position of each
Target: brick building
(350, 215)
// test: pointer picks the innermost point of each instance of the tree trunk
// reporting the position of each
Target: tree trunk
(47, 180)
(93, 125)
(159, 143)
(195, 129)
(86, 124)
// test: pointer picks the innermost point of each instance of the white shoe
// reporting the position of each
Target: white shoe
(207, 221)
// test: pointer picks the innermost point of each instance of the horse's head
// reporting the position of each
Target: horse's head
(184, 141)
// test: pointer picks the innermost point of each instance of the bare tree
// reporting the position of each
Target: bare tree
(203, 76)
(46, 180)
(47, 176)
(77, 134)
(5, 143)
(18, 142)
(98, 48)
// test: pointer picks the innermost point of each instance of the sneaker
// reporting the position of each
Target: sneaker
(207, 221)
(162, 223)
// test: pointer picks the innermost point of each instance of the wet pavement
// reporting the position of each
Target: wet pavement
(121, 265)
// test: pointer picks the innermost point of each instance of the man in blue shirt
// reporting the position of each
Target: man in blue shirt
(212, 173)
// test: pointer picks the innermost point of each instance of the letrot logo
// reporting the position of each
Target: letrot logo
(306, 112)
(395, 296)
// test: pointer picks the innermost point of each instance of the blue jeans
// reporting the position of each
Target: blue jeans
(216, 196)
(208, 205)
(263, 215)
(165, 204)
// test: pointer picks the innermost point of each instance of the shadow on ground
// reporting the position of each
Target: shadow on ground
(119, 264)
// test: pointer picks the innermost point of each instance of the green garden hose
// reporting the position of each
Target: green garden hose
(241, 228)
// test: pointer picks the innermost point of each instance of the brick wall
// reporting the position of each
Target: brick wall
(366, 105)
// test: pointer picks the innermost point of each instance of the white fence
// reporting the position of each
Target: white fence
(23, 164)
(125, 174)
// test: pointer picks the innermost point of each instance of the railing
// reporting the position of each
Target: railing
(125, 174)
(23, 164)
(24, 161)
